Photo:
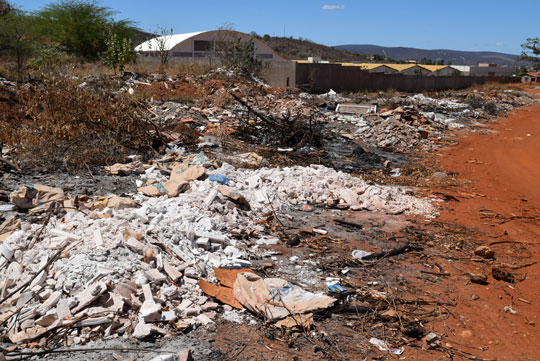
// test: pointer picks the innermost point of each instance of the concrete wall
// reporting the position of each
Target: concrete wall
(320, 78)
(492, 70)
(280, 74)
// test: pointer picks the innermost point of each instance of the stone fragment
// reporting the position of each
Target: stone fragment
(62, 310)
(51, 302)
(155, 276)
(98, 238)
(163, 358)
(204, 320)
(208, 306)
(143, 330)
(172, 272)
(150, 311)
(184, 355)
(484, 252)
(89, 295)
(210, 198)
(135, 245)
(478, 278)
(46, 320)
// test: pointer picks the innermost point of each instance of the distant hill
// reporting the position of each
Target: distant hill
(296, 49)
(454, 56)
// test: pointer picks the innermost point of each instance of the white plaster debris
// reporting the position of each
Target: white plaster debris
(152, 257)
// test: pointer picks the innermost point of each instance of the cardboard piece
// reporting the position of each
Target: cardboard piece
(275, 298)
(223, 294)
(38, 197)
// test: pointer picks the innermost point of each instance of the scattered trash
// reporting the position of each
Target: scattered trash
(383, 346)
(220, 178)
(359, 254)
(274, 298)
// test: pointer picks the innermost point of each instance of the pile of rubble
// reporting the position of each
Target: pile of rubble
(115, 266)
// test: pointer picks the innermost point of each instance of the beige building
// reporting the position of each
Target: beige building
(203, 46)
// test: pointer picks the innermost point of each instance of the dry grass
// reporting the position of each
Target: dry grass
(172, 69)
(58, 124)
(491, 86)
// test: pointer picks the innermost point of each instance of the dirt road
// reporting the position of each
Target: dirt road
(498, 198)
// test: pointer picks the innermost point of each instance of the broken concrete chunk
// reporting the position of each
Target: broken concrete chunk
(150, 311)
(184, 355)
(143, 330)
(47, 320)
(98, 238)
(126, 289)
(51, 302)
(89, 295)
(155, 276)
(135, 245)
(147, 292)
(163, 358)
(172, 272)
(167, 316)
(60, 233)
(234, 196)
(210, 197)
(62, 310)
(6, 251)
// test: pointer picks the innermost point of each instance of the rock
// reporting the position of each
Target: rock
(155, 276)
(208, 306)
(509, 309)
(484, 252)
(150, 311)
(478, 278)
(163, 358)
(89, 295)
(502, 274)
(431, 338)
(135, 245)
(439, 175)
(184, 355)
(62, 310)
(204, 320)
(143, 330)
(172, 272)
(6, 251)
(234, 196)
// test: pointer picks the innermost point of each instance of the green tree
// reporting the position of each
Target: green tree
(16, 38)
(82, 26)
(5, 7)
(531, 52)
(161, 44)
(241, 57)
(119, 51)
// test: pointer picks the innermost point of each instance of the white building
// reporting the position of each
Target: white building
(202, 46)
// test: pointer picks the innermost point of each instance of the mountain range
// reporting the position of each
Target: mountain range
(456, 57)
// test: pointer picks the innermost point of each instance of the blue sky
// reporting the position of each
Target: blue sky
(493, 25)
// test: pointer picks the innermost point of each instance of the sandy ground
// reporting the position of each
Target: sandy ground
(499, 200)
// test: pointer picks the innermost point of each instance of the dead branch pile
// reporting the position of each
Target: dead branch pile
(60, 124)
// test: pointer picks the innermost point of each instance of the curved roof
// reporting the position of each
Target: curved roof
(170, 41)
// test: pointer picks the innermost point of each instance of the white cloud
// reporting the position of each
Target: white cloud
(333, 7)
(500, 43)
